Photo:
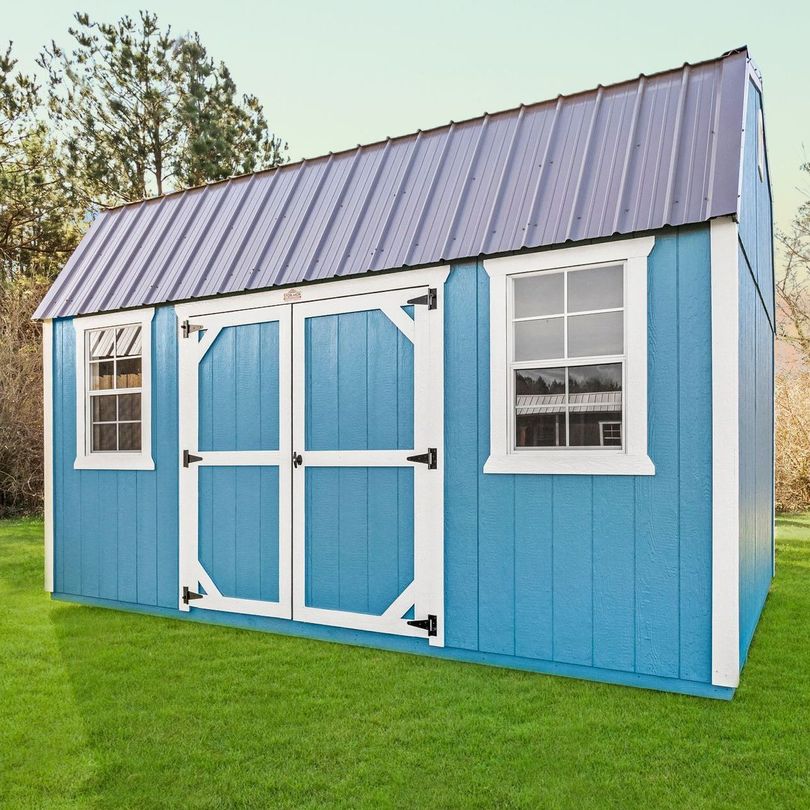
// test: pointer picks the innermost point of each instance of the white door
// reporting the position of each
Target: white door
(311, 477)
(368, 475)
(235, 473)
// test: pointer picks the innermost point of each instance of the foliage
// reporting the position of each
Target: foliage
(793, 285)
(20, 398)
(103, 708)
(40, 220)
(143, 111)
(792, 440)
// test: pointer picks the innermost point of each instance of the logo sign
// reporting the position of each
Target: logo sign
(292, 295)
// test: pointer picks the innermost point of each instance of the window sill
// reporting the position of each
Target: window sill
(114, 461)
(569, 463)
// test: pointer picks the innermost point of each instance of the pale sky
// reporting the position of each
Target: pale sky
(335, 74)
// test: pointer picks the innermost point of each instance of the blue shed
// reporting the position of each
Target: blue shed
(499, 391)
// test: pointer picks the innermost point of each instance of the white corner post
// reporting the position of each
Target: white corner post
(47, 447)
(725, 454)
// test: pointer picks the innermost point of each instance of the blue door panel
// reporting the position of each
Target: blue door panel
(359, 383)
(239, 531)
(239, 389)
(359, 537)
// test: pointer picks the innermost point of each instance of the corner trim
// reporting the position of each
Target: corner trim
(725, 454)
(47, 446)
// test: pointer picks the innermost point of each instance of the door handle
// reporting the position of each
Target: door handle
(297, 460)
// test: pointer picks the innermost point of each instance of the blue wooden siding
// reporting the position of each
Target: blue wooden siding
(115, 532)
(609, 576)
(608, 572)
(756, 383)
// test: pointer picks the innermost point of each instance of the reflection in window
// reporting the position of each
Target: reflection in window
(114, 389)
(565, 326)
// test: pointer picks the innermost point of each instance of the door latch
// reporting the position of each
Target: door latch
(430, 624)
(190, 458)
(297, 460)
(188, 595)
(431, 458)
(431, 299)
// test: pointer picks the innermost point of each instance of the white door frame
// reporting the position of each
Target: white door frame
(190, 353)
(426, 593)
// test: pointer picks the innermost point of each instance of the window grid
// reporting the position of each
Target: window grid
(565, 362)
(113, 392)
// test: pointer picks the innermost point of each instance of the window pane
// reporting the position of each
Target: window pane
(596, 334)
(539, 340)
(104, 437)
(600, 288)
(540, 430)
(540, 407)
(129, 436)
(129, 372)
(101, 375)
(587, 428)
(103, 408)
(538, 295)
(128, 341)
(595, 405)
(101, 343)
(129, 407)
(601, 377)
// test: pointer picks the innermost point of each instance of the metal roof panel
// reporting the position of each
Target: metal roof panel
(636, 156)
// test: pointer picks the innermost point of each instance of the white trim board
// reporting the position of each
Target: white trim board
(633, 460)
(316, 291)
(47, 447)
(85, 460)
(725, 454)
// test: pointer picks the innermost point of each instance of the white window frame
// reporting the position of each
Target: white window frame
(119, 460)
(632, 458)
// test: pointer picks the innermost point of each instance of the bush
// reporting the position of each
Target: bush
(21, 475)
(792, 440)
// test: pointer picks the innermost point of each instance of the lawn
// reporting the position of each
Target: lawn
(100, 708)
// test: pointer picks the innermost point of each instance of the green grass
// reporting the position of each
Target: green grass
(105, 709)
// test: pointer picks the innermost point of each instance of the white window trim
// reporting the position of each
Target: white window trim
(85, 460)
(633, 459)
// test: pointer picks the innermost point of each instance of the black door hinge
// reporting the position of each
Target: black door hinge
(431, 458)
(431, 299)
(190, 458)
(429, 624)
(188, 595)
(187, 328)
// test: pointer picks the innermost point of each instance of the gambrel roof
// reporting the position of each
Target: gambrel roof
(636, 156)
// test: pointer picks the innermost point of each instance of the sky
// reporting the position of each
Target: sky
(334, 74)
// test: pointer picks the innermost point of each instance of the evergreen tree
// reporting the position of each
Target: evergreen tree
(142, 111)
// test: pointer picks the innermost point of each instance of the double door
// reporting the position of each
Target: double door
(311, 477)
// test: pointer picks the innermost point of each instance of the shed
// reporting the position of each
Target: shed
(499, 391)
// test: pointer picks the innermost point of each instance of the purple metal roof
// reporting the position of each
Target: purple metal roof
(636, 156)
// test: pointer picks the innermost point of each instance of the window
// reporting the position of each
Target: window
(568, 360)
(113, 391)
(567, 356)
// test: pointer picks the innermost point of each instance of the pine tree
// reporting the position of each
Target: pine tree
(142, 111)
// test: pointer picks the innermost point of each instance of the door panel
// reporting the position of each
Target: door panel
(359, 537)
(367, 549)
(359, 383)
(235, 498)
(239, 530)
(239, 389)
